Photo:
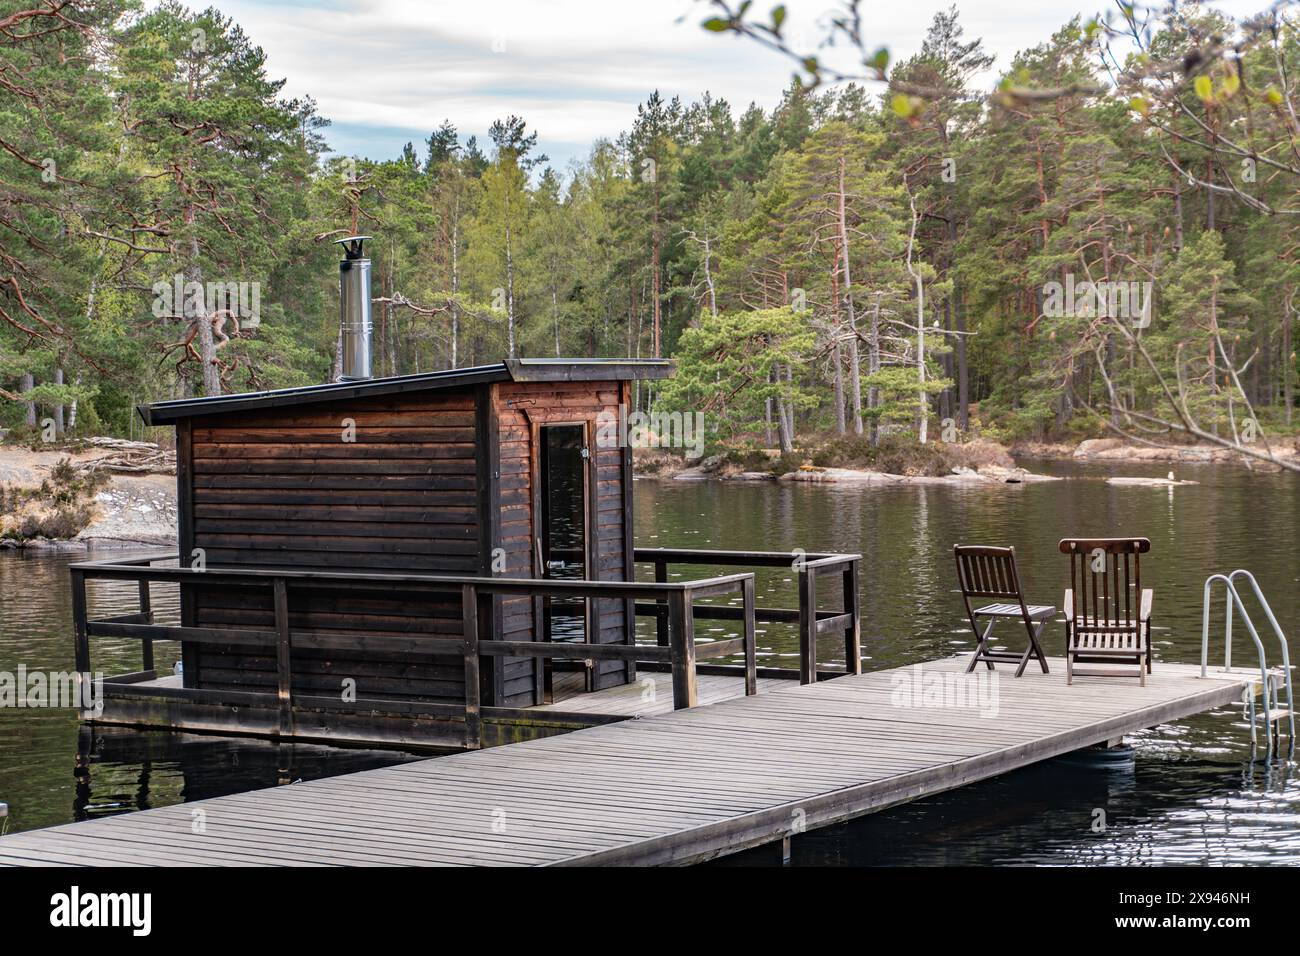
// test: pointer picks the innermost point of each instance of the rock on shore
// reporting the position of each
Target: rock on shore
(133, 510)
(1115, 449)
(128, 511)
(989, 474)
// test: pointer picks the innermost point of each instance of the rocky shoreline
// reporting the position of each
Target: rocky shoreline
(1003, 471)
(1115, 449)
(987, 474)
(128, 511)
(139, 510)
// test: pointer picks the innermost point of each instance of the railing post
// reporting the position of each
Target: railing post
(807, 626)
(751, 649)
(146, 614)
(661, 610)
(473, 725)
(682, 633)
(852, 633)
(283, 665)
(81, 649)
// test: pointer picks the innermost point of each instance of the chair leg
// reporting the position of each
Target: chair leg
(1024, 660)
(1038, 648)
(981, 648)
(1069, 658)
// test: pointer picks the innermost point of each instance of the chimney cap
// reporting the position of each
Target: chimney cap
(352, 246)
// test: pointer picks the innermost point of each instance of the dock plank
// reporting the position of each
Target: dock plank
(668, 788)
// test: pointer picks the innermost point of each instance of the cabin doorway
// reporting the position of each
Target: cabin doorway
(563, 538)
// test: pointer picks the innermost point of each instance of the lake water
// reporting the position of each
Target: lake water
(1191, 794)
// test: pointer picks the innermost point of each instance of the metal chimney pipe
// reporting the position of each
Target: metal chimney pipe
(354, 309)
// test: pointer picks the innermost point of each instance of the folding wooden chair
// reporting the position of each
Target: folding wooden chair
(1107, 611)
(985, 573)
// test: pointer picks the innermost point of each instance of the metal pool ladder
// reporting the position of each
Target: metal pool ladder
(1274, 711)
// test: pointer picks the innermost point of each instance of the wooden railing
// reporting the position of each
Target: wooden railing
(679, 653)
(812, 622)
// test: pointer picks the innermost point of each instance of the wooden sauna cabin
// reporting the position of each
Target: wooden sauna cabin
(435, 560)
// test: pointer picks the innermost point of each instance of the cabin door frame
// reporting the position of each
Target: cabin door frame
(591, 614)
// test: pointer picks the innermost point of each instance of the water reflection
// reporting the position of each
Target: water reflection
(119, 769)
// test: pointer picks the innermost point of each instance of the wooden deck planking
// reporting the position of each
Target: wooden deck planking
(677, 787)
(634, 700)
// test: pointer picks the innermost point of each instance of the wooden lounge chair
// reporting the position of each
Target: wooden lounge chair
(1107, 611)
(984, 573)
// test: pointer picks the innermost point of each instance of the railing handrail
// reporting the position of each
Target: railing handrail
(808, 566)
(672, 600)
(136, 568)
(753, 558)
(680, 656)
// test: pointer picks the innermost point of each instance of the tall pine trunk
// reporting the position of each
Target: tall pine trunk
(855, 369)
(455, 288)
(837, 353)
(29, 414)
(58, 409)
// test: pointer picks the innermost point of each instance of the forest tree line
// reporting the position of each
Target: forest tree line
(902, 248)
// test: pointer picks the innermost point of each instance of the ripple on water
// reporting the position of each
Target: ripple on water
(1191, 795)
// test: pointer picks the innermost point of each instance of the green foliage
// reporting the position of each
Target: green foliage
(767, 251)
(894, 454)
(727, 368)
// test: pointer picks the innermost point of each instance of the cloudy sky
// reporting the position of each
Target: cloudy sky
(388, 71)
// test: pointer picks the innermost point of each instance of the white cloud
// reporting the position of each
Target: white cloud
(391, 70)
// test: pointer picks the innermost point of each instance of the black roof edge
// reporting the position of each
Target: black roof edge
(516, 370)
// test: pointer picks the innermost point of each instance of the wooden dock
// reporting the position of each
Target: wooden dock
(678, 787)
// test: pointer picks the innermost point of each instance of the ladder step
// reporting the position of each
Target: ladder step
(1276, 715)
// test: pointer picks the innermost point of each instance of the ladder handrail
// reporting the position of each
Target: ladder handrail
(1259, 645)
(1234, 597)
(1281, 639)
(1272, 619)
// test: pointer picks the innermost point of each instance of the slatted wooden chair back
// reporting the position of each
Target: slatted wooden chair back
(1106, 581)
(986, 572)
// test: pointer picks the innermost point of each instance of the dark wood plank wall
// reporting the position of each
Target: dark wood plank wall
(521, 408)
(281, 488)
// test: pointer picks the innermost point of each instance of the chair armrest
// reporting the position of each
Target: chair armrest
(1148, 595)
(1068, 604)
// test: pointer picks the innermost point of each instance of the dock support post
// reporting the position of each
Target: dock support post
(785, 851)
(81, 649)
(852, 633)
(807, 626)
(473, 728)
(283, 664)
(681, 620)
(146, 617)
